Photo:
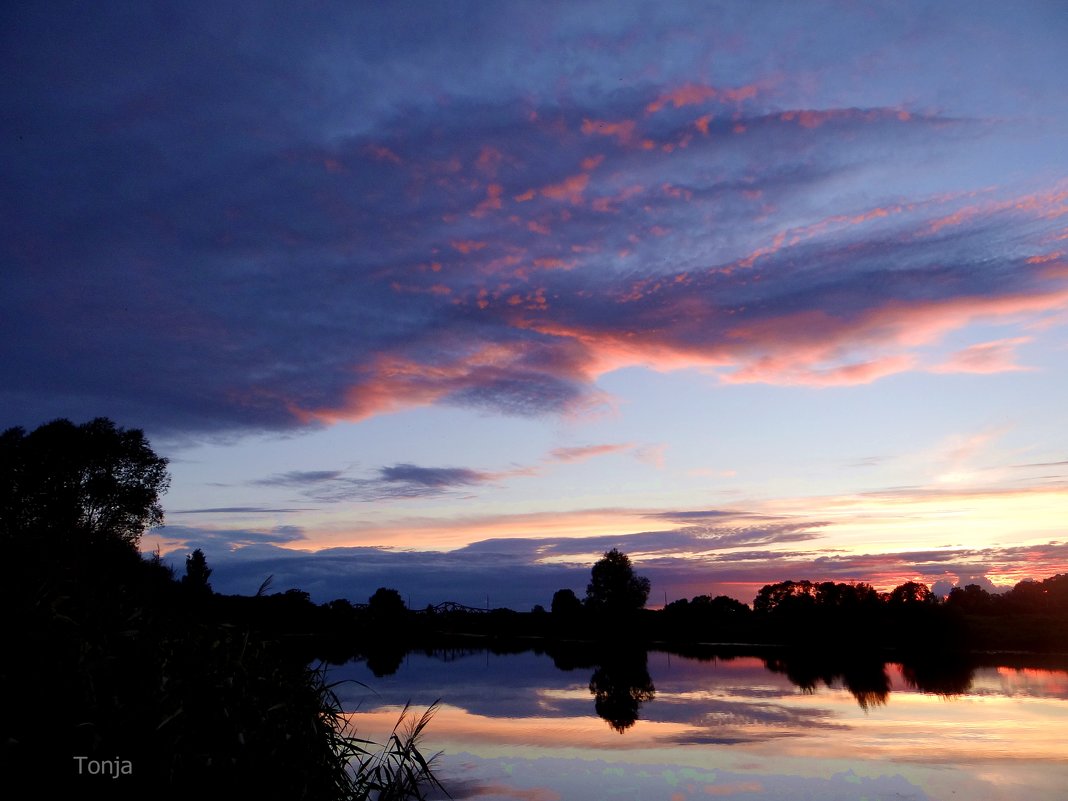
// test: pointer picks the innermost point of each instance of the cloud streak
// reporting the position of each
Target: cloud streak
(581, 453)
(399, 481)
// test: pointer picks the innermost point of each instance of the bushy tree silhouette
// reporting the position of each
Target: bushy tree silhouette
(386, 604)
(566, 603)
(197, 572)
(77, 485)
(972, 599)
(614, 587)
(912, 592)
(786, 598)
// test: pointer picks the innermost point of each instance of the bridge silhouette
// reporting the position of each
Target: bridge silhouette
(444, 606)
(454, 606)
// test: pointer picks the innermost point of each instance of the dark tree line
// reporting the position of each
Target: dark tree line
(1031, 616)
(827, 615)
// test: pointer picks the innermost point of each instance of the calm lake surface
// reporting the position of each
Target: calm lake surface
(662, 726)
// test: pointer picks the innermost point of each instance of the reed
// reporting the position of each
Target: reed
(395, 770)
(277, 727)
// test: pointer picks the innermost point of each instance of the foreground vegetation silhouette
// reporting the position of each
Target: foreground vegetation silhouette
(122, 681)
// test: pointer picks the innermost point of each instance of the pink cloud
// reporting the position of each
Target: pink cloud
(673, 326)
(592, 163)
(812, 348)
(622, 132)
(393, 382)
(688, 95)
(808, 347)
(467, 246)
(334, 167)
(434, 289)
(552, 263)
(383, 153)
(814, 118)
(492, 201)
(797, 235)
(569, 189)
(489, 159)
(610, 203)
(582, 452)
(695, 94)
(998, 356)
(1048, 205)
(923, 323)
(788, 372)
(652, 455)
(1046, 258)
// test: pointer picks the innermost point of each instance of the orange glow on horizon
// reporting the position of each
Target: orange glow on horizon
(1010, 533)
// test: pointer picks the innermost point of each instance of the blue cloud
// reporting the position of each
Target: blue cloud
(434, 478)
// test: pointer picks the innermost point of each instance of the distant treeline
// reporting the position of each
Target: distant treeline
(824, 616)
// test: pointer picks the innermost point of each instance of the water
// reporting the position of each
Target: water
(663, 726)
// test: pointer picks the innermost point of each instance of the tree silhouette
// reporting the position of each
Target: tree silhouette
(566, 603)
(912, 592)
(197, 572)
(386, 603)
(972, 599)
(786, 598)
(614, 587)
(722, 606)
(76, 485)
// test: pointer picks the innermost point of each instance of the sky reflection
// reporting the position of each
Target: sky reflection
(514, 727)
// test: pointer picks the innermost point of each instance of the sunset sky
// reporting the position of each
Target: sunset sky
(453, 297)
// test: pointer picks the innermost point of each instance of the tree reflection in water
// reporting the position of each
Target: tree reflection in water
(620, 682)
(620, 685)
(866, 677)
(867, 680)
(947, 676)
